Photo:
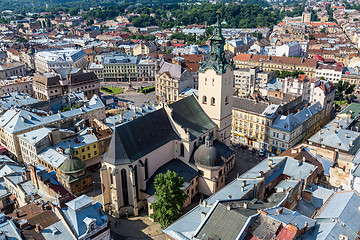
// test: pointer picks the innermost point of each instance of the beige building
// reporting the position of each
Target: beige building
(58, 82)
(10, 69)
(273, 63)
(144, 48)
(251, 121)
(306, 17)
(17, 84)
(171, 80)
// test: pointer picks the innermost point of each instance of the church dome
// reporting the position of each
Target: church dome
(207, 155)
(69, 151)
(72, 165)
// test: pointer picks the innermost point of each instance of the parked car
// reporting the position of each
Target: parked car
(261, 152)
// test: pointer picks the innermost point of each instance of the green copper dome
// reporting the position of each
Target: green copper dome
(72, 165)
(69, 151)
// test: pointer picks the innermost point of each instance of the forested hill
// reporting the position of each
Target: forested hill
(245, 15)
(169, 15)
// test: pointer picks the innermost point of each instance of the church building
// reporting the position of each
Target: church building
(190, 136)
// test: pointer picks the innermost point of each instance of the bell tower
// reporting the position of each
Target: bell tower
(216, 85)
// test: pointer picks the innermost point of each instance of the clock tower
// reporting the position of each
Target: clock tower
(216, 76)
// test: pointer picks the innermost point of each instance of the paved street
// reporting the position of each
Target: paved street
(244, 160)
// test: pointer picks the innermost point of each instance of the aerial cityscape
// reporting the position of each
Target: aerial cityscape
(179, 120)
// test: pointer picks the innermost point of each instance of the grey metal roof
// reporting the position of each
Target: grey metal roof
(135, 139)
(24, 119)
(257, 107)
(337, 137)
(175, 165)
(291, 217)
(174, 70)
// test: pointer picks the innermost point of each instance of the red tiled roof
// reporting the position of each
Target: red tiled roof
(285, 234)
(242, 57)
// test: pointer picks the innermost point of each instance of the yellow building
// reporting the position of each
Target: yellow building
(251, 121)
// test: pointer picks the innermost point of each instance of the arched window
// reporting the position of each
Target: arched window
(226, 100)
(146, 169)
(124, 187)
(111, 177)
(136, 183)
(213, 101)
(182, 150)
(204, 100)
(92, 227)
(213, 81)
(205, 81)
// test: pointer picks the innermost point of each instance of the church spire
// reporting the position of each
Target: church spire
(216, 60)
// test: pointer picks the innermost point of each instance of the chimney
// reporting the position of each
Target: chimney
(346, 135)
(243, 185)
(228, 206)
(299, 162)
(245, 205)
(279, 211)
(59, 114)
(229, 197)
(303, 159)
(203, 215)
(270, 162)
(22, 118)
(51, 139)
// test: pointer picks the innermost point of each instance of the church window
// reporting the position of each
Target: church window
(182, 150)
(136, 184)
(226, 100)
(146, 169)
(213, 101)
(124, 187)
(111, 177)
(204, 100)
(213, 81)
(205, 81)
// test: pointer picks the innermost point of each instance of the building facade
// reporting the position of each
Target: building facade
(171, 80)
(47, 60)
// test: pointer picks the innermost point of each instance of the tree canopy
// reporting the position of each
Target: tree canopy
(169, 198)
(344, 91)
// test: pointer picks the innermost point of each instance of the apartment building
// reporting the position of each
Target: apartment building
(146, 69)
(67, 80)
(289, 130)
(47, 60)
(15, 122)
(246, 81)
(312, 91)
(171, 80)
(330, 72)
(251, 121)
(121, 68)
(273, 63)
(11, 69)
(17, 84)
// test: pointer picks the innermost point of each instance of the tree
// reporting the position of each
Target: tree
(169, 198)
(19, 25)
(73, 11)
(322, 78)
(323, 30)
(311, 37)
(343, 90)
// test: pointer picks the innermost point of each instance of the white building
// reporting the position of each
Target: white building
(65, 58)
(330, 72)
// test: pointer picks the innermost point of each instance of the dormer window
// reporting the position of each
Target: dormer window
(92, 227)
